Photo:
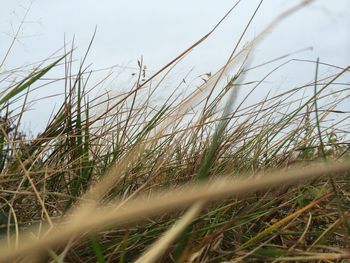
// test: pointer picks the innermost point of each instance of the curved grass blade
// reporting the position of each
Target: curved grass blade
(24, 84)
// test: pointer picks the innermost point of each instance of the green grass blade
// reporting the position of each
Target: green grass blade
(27, 82)
(96, 246)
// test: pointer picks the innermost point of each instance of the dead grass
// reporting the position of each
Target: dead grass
(200, 178)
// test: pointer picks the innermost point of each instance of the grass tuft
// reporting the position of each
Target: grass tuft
(204, 176)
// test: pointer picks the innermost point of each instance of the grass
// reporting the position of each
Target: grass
(202, 177)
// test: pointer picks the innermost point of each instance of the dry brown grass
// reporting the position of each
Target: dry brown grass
(261, 182)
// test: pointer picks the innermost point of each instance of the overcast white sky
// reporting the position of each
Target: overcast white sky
(159, 30)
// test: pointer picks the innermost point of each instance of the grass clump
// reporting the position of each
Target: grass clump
(203, 177)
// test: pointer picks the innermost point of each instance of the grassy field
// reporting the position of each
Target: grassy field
(200, 178)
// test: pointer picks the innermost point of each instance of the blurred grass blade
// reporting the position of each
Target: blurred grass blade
(97, 249)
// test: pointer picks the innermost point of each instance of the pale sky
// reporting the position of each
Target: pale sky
(159, 30)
